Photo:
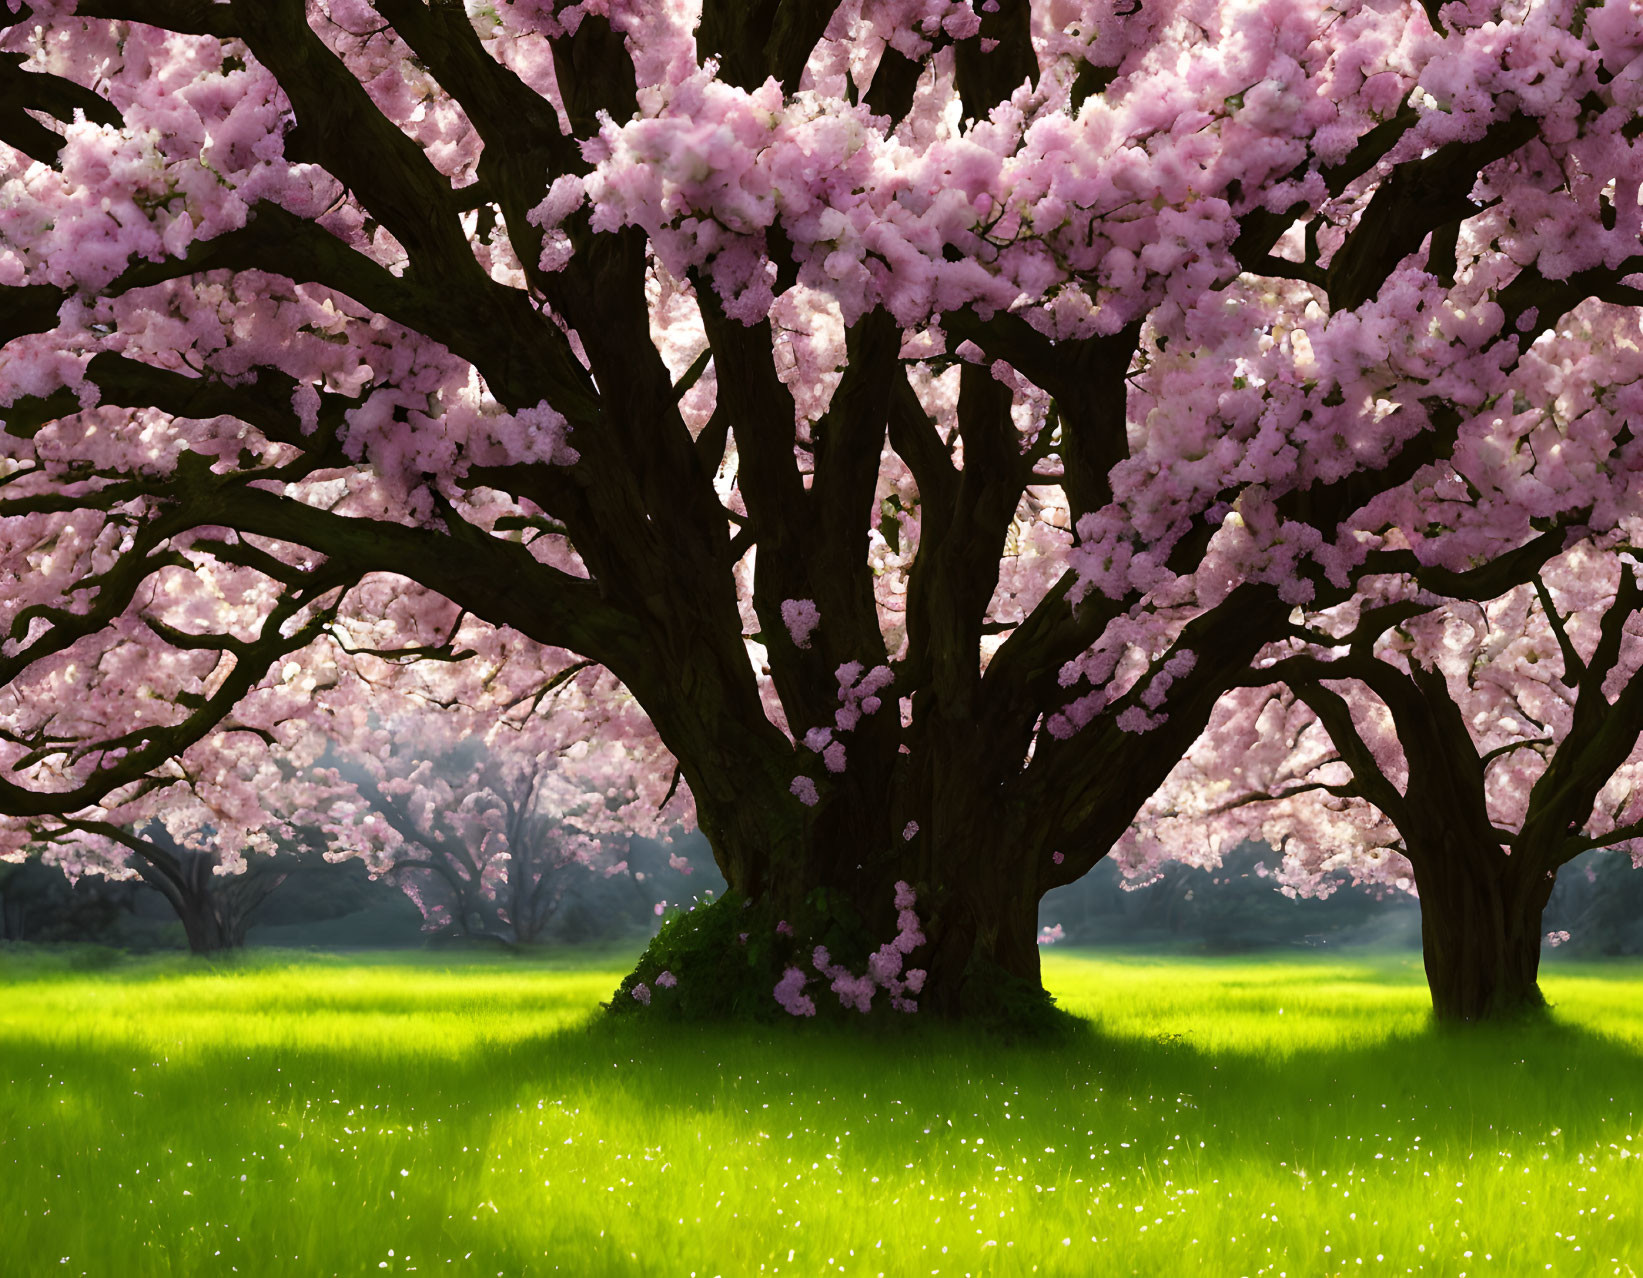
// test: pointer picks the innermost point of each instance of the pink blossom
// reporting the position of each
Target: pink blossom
(1050, 935)
(679, 863)
(1555, 939)
(1057, 857)
(667, 980)
(855, 991)
(907, 832)
(784, 928)
(801, 618)
(641, 992)
(805, 788)
(884, 965)
(789, 993)
(658, 908)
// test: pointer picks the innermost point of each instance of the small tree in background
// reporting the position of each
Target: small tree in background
(1462, 751)
(494, 781)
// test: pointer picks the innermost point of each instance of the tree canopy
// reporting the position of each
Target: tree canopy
(928, 410)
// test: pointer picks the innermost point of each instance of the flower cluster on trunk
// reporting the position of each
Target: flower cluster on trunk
(884, 969)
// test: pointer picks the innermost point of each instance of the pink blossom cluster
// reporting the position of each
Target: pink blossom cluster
(1050, 935)
(859, 693)
(884, 969)
(789, 993)
(1266, 768)
(801, 618)
(1038, 202)
(910, 26)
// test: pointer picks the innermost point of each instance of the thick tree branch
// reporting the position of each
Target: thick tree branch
(755, 39)
(524, 149)
(189, 17)
(495, 579)
(1574, 669)
(953, 576)
(1259, 228)
(1601, 736)
(1332, 712)
(1419, 196)
(1086, 379)
(23, 91)
(340, 127)
(148, 748)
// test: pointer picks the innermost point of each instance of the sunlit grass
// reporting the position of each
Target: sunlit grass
(305, 1114)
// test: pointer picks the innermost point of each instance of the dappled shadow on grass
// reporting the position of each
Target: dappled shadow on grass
(488, 1112)
(469, 1053)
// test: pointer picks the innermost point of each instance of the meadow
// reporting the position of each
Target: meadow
(301, 1114)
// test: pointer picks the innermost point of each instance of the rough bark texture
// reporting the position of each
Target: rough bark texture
(215, 910)
(1480, 938)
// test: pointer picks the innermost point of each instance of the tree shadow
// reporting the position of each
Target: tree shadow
(917, 1095)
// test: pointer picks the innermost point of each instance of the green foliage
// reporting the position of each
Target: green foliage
(728, 956)
(719, 977)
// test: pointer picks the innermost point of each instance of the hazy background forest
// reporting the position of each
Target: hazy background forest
(1240, 907)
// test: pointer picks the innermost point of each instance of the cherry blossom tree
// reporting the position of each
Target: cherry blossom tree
(927, 409)
(485, 815)
(215, 898)
(193, 838)
(1465, 752)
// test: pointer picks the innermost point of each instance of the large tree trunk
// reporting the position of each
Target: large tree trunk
(949, 804)
(977, 909)
(214, 910)
(937, 817)
(1480, 905)
(208, 931)
(983, 947)
(209, 921)
(1480, 934)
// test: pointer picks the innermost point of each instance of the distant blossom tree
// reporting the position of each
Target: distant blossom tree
(1465, 752)
(485, 809)
(215, 828)
(926, 409)
(213, 865)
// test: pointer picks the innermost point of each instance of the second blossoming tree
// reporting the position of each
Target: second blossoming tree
(1462, 750)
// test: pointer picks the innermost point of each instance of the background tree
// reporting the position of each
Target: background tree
(215, 834)
(1463, 751)
(39, 903)
(927, 413)
(487, 816)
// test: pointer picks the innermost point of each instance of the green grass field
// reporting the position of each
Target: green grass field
(298, 1114)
